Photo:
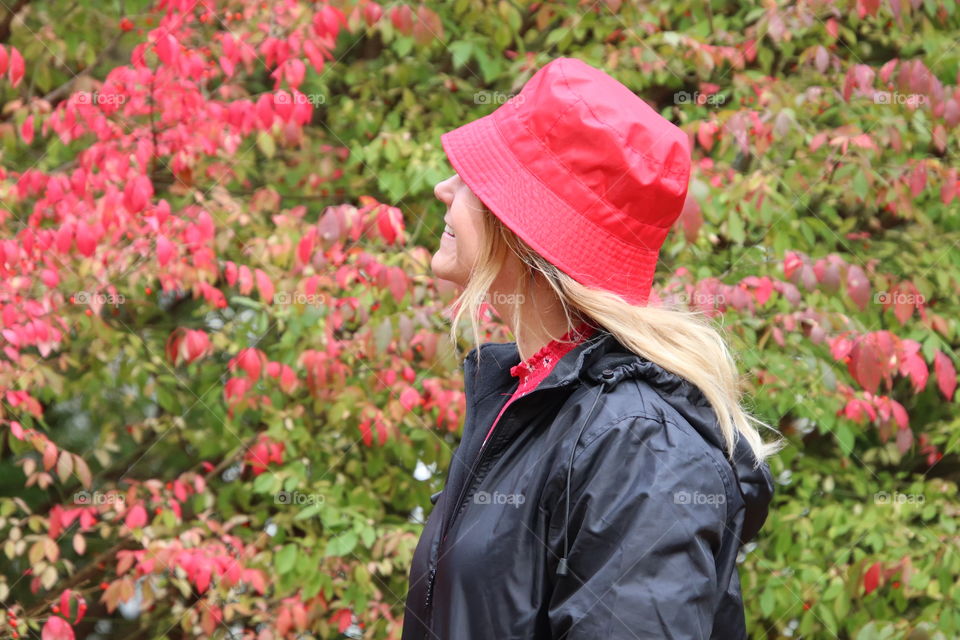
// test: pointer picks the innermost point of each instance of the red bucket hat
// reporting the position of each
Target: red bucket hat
(581, 169)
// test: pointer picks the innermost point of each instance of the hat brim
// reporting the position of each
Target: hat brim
(589, 254)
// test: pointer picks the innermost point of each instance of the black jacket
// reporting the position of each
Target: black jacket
(602, 507)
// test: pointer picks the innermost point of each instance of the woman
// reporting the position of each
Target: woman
(607, 475)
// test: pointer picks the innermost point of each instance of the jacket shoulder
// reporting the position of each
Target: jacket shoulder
(628, 431)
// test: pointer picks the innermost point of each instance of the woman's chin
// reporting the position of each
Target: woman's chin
(441, 266)
(444, 267)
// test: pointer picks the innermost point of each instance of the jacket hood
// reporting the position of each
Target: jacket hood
(603, 360)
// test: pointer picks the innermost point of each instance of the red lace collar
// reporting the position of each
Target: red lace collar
(543, 360)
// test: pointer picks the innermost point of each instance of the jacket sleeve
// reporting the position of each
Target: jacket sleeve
(647, 516)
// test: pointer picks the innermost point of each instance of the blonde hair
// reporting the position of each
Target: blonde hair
(682, 341)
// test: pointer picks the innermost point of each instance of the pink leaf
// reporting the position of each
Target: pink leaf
(871, 579)
(858, 287)
(136, 517)
(26, 130)
(264, 286)
(409, 398)
(164, 250)
(16, 67)
(56, 628)
(914, 366)
(946, 374)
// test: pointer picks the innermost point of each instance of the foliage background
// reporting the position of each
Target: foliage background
(225, 377)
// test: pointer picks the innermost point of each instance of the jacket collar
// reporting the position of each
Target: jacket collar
(603, 359)
(496, 359)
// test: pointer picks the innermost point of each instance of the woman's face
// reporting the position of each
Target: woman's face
(459, 243)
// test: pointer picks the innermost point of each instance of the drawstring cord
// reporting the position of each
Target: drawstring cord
(562, 567)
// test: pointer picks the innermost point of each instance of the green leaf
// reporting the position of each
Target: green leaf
(342, 544)
(767, 602)
(266, 144)
(461, 50)
(286, 558)
(860, 186)
(845, 437)
(735, 226)
(309, 511)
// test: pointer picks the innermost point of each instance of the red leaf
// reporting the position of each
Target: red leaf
(306, 244)
(916, 368)
(86, 239)
(409, 398)
(56, 628)
(49, 455)
(365, 432)
(871, 579)
(390, 223)
(16, 67)
(136, 517)
(397, 282)
(372, 13)
(26, 130)
(900, 415)
(168, 49)
(343, 617)
(904, 440)
(791, 262)
(264, 286)
(949, 188)
(858, 287)
(946, 375)
(137, 193)
(705, 133)
(202, 577)
(164, 250)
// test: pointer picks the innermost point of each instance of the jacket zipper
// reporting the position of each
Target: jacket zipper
(463, 492)
(496, 438)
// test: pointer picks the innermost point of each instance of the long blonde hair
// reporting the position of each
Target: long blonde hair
(682, 341)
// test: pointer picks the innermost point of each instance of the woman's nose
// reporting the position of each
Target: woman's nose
(443, 190)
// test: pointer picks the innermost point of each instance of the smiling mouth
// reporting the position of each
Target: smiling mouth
(447, 231)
